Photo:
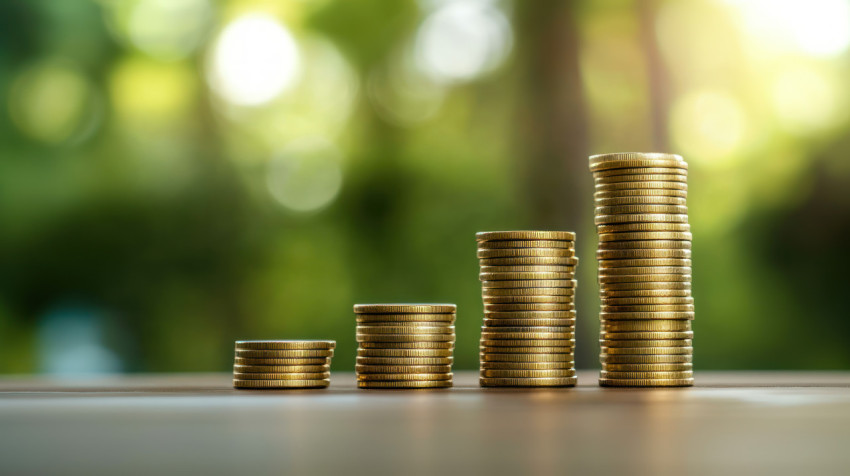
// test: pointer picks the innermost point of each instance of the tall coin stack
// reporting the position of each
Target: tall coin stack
(528, 288)
(273, 364)
(644, 269)
(405, 345)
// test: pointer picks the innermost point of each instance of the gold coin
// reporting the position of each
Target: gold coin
(527, 299)
(392, 369)
(646, 359)
(645, 270)
(600, 195)
(531, 315)
(525, 253)
(528, 291)
(499, 333)
(526, 357)
(407, 345)
(657, 382)
(647, 375)
(524, 275)
(639, 209)
(525, 235)
(287, 362)
(641, 177)
(643, 293)
(659, 335)
(530, 261)
(528, 269)
(528, 382)
(641, 218)
(646, 315)
(281, 368)
(489, 341)
(642, 227)
(529, 307)
(631, 301)
(361, 337)
(240, 383)
(623, 343)
(648, 367)
(644, 278)
(531, 283)
(649, 325)
(285, 344)
(646, 236)
(669, 285)
(526, 244)
(413, 319)
(403, 377)
(644, 263)
(641, 171)
(647, 350)
(548, 329)
(527, 366)
(405, 308)
(281, 376)
(405, 330)
(653, 254)
(640, 200)
(405, 361)
(645, 245)
(409, 385)
(533, 349)
(529, 322)
(405, 352)
(283, 354)
(649, 308)
(617, 186)
(652, 159)
(498, 373)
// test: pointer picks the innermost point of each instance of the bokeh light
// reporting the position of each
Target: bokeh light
(54, 102)
(807, 101)
(462, 40)
(813, 27)
(164, 29)
(254, 60)
(709, 126)
(306, 175)
(151, 92)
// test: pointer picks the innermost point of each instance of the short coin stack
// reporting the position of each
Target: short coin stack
(273, 364)
(405, 345)
(528, 287)
(644, 269)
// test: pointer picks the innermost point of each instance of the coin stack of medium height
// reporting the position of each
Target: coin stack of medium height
(528, 287)
(283, 363)
(644, 269)
(405, 345)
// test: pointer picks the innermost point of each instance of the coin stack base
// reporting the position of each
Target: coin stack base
(644, 270)
(405, 346)
(282, 364)
(528, 288)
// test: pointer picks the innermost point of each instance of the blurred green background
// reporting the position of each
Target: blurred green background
(178, 174)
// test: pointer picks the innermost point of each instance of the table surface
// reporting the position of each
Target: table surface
(741, 422)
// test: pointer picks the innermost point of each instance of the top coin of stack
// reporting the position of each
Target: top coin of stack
(282, 363)
(405, 345)
(528, 285)
(644, 269)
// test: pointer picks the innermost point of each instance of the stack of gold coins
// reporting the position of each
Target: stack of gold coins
(405, 345)
(283, 363)
(644, 269)
(528, 287)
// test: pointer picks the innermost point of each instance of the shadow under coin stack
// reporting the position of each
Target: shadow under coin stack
(528, 288)
(644, 270)
(405, 346)
(274, 364)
